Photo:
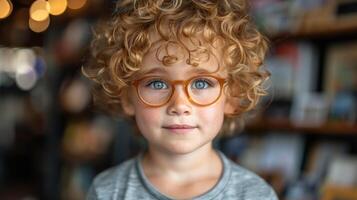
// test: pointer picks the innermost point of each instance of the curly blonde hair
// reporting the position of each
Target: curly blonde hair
(120, 44)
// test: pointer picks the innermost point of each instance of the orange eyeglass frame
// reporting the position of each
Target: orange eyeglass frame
(185, 83)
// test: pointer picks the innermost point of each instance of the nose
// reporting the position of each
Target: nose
(179, 103)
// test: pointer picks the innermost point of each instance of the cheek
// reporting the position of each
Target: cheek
(213, 116)
(147, 117)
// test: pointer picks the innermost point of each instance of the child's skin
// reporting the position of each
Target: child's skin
(183, 158)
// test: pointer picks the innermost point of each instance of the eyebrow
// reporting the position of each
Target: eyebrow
(162, 70)
(154, 70)
(201, 71)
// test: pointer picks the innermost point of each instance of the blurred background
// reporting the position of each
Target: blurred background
(302, 139)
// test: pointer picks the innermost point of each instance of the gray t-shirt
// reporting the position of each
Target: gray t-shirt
(127, 181)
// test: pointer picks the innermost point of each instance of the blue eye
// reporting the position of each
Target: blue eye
(157, 85)
(201, 84)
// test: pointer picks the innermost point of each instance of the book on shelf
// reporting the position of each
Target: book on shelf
(341, 81)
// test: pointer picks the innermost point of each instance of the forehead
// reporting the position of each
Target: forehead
(189, 56)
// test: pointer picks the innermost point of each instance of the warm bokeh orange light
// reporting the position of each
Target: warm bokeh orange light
(39, 26)
(5, 8)
(76, 4)
(39, 10)
(57, 7)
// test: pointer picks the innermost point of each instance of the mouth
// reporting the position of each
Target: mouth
(180, 128)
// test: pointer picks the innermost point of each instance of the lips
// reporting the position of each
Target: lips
(180, 128)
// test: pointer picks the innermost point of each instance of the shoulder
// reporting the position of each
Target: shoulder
(112, 180)
(111, 175)
(249, 185)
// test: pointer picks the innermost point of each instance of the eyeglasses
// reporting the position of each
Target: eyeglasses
(202, 90)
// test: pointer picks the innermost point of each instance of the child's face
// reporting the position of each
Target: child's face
(156, 123)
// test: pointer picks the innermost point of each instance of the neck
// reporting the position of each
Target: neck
(181, 166)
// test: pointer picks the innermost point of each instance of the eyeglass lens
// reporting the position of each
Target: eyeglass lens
(202, 90)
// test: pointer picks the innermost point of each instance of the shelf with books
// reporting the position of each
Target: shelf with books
(306, 19)
(308, 123)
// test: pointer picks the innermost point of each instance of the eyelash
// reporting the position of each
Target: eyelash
(151, 82)
(205, 81)
(194, 81)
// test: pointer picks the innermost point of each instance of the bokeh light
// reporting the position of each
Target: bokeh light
(26, 78)
(70, 94)
(5, 8)
(76, 4)
(39, 26)
(25, 74)
(57, 7)
(39, 10)
(23, 65)
(25, 57)
(40, 66)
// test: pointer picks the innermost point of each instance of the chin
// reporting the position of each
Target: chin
(182, 148)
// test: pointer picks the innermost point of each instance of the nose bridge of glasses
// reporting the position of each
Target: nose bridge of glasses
(183, 84)
(178, 82)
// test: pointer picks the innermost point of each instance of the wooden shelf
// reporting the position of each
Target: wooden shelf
(318, 35)
(322, 23)
(334, 128)
(331, 192)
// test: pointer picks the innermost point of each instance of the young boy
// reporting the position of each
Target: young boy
(184, 71)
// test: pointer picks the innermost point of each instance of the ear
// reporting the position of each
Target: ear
(231, 106)
(126, 103)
